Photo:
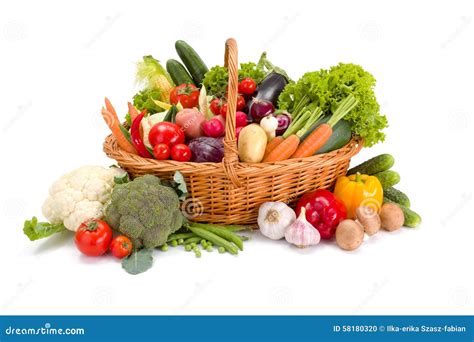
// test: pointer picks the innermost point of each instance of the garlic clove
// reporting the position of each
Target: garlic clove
(301, 233)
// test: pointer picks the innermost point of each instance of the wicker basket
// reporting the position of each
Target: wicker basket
(231, 191)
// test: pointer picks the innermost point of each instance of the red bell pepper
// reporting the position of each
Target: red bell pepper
(323, 210)
(136, 137)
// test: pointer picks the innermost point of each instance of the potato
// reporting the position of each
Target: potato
(190, 121)
(252, 143)
(369, 219)
(349, 235)
(391, 216)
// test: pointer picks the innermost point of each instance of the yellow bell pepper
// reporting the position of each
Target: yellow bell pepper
(359, 190)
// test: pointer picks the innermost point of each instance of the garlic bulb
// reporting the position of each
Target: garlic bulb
(274, 218)
(301, 233)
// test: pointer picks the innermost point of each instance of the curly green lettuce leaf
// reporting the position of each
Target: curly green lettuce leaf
(251, 70)
(145, 99)
(35, 230)
(326, 88)
(217, 77)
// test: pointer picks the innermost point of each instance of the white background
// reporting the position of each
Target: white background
(59, 59)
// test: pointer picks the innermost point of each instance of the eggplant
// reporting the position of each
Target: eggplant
(271, 87)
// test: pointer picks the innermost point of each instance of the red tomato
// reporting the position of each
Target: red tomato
(187, 94)
(215, 106)
(166, 133)
(121, 247)
(161, 151)
(93, 237)
(224, 109)
(181, 152)
(247, 86)
(241, 103)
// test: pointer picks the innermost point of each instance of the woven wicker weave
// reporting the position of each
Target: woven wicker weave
(231, 191)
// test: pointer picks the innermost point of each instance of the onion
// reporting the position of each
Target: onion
(284, 120)
(260, 108)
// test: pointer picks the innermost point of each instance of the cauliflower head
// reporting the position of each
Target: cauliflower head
(145, 211)
(80, 195)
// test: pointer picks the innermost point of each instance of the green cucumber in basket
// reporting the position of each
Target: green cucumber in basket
(374, 165)
(341, 135)
(388, 178)
(397, 196)
(192, 61)
(412, 219)
(178, 72)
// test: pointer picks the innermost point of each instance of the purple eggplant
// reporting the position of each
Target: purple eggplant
(271, 87)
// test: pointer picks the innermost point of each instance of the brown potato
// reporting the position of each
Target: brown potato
(349, 235)
(369, 219)
(391, 217)
(252, 143)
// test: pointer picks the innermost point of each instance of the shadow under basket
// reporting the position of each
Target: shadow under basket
(231, 192)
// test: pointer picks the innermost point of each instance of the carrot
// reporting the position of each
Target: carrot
(272, 144)
(284, 150)
(314, 141)
(133, 112)
(323, 132)
(111, 119)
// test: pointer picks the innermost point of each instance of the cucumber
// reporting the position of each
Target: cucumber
(178, 72)
(397, 196)
(412, 219)
(374, 165)
(192, 61)
(388, 178)
(341, 135)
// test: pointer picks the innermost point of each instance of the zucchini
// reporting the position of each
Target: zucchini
(192, 61)
(388, 178)
(374, 165)
(341, 135)
(412, 219)
(178, 72)
(397, 196)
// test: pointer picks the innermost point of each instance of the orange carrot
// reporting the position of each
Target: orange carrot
(323, 132)
(272, 144)
(113, 122)
(133, 112)
(314, 141)
(284, 150)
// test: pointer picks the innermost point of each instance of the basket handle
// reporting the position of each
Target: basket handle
(231, 155)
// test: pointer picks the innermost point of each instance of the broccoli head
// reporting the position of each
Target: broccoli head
(145, 211)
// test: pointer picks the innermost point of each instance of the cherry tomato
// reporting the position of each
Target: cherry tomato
(166, 133)
(224, 110)
(215, 106)
(181, 152)
(241, 103)
(187, 94)
(161, 151)
(247, 86)
(93, 237)
(121, 247)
